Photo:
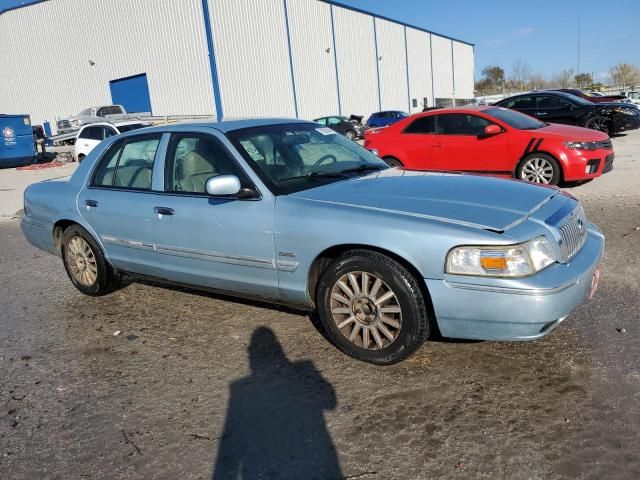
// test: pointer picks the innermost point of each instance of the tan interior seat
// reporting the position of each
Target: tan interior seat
(133, 176)
(196, 170)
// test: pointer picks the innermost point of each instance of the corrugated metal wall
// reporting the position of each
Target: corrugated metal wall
(356, 54)
(47, 48)
(392, 65)
(313, 60)
(442, 67)
(463, 70)
(419, 54)
(252, 56)
(273, 58)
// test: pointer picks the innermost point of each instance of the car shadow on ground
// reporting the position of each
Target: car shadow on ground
(275, 426)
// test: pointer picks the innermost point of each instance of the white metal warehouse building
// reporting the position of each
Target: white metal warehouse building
(224, 58)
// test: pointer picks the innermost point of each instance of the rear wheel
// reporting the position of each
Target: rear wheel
(372, 307)
(393, 162)
(81, 157)
(539, 168)
(85, 264)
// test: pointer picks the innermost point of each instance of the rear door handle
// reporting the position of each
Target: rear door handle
(541, 113)
(164, 211)
(91, 203)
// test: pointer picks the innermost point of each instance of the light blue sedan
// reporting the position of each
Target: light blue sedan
(289, 212)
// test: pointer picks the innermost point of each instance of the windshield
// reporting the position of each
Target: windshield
(515, 119)
(576, 99)
(294, 157)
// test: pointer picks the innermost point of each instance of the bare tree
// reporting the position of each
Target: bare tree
(563, 79)
(520, 73)
(625, 74)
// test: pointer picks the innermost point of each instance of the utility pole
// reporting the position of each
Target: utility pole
(579, 27)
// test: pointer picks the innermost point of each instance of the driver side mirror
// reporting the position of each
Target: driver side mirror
(223, 186)
(492, 129)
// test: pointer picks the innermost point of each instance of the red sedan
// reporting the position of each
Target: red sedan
(494, 141)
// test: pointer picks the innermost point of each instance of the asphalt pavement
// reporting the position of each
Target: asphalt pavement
(198, 386)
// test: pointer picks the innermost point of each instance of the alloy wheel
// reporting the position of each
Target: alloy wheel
(538, 170)
(82, 261)
(366, 310)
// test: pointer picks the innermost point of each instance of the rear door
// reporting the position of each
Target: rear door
(554, 109)
(118, 202)
(525, 104)
(460, 145)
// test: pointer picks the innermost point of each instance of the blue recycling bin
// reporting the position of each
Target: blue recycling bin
(17, 146)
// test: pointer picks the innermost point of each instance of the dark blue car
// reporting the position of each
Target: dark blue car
(382, 119)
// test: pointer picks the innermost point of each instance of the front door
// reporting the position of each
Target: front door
(221, 243)
(118, 203)
(460, 145)
(553, 109)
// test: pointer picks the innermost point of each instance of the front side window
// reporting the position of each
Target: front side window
(109, 132)
(128, 164)
(111, 110)
(192, 159)
(333, 121)
(460, 124)
(299, 156)
(321, 121)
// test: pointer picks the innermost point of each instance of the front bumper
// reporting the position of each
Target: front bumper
(584, 165)
(519, 309)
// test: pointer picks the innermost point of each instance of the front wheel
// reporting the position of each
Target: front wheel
(350, 135)
(393, 162)
(85, 264)
(539, 168)
(372, 307)
(598, 122)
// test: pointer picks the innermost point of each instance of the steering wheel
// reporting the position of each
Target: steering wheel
(324, 158)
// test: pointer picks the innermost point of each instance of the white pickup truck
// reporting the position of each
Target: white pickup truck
(90, 115)
(634, 97)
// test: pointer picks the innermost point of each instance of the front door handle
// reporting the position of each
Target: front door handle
(541, 113)
(164, 211)
(437, 145)
(91, 203)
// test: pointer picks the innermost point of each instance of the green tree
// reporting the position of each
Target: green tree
(583, 80)
(494, 74)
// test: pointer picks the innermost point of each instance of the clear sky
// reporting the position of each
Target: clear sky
(542, 32)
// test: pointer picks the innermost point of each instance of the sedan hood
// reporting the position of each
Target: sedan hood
(472, 200)
(573, 133)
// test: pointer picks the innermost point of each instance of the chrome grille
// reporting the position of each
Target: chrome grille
(64, 123)
(573, 234)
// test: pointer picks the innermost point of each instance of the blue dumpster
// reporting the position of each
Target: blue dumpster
(17, 146)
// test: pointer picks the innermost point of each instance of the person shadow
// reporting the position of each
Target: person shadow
(275, 426)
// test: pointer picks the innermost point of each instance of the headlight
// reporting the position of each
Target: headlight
(501, 261)
(582, 145)
(626, 111)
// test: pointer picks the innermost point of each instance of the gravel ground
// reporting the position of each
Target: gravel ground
(200, 386)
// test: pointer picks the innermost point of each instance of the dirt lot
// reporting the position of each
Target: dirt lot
(199, 386)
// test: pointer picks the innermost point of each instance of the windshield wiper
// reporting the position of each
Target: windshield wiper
(363, 168)
(314, 175)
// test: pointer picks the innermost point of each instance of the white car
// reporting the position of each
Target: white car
(92, 134)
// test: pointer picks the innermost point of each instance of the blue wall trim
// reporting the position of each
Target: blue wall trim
(406, 64)
(335, 59)
(382, 17)
(375, 41)
(215, 82)
(293, 78)
(433, 87)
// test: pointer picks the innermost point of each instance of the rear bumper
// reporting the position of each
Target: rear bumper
(492, 312)
(39, 233)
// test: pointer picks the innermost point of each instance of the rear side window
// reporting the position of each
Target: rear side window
(422, 125)
(92, 133)
(321, 121)
(552, 103)
(522, 102)
(460, 124)
(110, 110)
(128, 164)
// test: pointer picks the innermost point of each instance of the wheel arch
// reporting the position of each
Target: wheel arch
(546, 152)
(324, 259)
(58, 231)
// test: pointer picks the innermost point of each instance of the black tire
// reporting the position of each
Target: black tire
(81, 158)
(107, 278)
(393, 162)
(350, 134)
(556, 176)
(414, 325)
(598, 122)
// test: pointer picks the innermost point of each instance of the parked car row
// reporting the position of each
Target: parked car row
(293, 213)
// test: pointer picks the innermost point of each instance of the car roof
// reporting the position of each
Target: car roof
(469, 109)
(114, 124)
(224, 126)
